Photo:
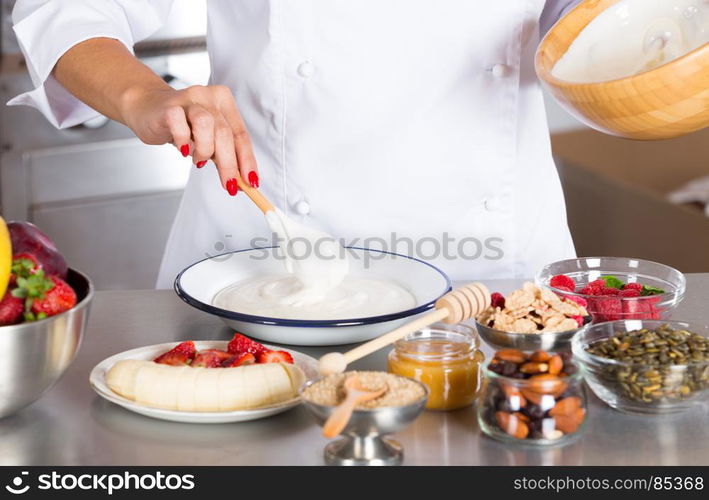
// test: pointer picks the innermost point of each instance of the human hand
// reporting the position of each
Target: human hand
(203, 121)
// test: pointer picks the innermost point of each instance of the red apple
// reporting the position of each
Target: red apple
(27, 238)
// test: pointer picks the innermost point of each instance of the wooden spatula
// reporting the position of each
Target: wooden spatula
(459, 305)
(341, 415)
(255, 195)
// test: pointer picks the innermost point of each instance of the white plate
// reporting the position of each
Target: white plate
(97, 379)
(199, 283)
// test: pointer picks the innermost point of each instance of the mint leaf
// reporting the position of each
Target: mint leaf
(650, 290)
(613, 282)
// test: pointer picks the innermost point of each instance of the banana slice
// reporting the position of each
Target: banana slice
(204, 389)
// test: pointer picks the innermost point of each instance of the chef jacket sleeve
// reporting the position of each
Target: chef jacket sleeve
(46, 29)
(553, 11)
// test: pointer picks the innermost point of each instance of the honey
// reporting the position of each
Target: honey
(445, 358)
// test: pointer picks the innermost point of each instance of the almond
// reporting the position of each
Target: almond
(556, 364)
(532, 396)
(580, 415)
(512, 355)
(570, 423)
(540, 356)
(547, 383)
(566, 406)
(524, 418)
(566, 423)
(511, 424)
(514, 396)
(532, 367)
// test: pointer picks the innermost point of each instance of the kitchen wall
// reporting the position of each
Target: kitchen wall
(107, 199)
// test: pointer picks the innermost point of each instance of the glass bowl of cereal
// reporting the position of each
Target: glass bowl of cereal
(532, 318)
(646, 366)
(616, 288)
(364, 441)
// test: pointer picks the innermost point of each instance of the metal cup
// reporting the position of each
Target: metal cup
(364, 442)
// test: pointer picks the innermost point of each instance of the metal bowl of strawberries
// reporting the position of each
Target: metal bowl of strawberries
(43, 315)
(617, 288)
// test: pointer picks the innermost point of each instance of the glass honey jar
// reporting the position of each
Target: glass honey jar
(445, 358)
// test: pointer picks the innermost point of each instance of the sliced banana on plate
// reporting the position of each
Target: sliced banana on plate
(185, 388)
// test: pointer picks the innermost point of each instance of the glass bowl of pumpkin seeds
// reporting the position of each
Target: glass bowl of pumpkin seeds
(646, 366)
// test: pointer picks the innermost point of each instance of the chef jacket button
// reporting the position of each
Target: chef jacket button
(491, 204)
(499, 70)
(306, 69)
(302, 207)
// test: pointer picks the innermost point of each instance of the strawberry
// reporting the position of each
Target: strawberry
(11, 309)
(497, 300)
(635, 309)
(242, 344)
(179, 355)
(44, 295)
(23, 265)
(607, 308)
(594, 288)
(210, 358)
(275, 357)
(239, 360)
(655, 312)
(61, 297)
(563, 281)
(579, 300)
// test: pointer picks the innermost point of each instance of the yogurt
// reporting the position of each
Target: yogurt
(284, 297)
(314, 257)
(634, 36)
(315, 284)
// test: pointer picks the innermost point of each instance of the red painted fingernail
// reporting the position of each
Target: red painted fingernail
(185, 149)
(232, 187)
(200, 164)
(253, 179)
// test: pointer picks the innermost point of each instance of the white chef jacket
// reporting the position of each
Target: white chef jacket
(410, 125)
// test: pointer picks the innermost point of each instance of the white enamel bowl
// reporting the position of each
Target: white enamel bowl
(199, 283)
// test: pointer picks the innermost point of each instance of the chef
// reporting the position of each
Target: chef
(413, 126)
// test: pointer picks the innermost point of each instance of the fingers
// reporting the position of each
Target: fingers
(179, 128)
(242, 141)
(202, 123)
(225, 155)
(212, 123)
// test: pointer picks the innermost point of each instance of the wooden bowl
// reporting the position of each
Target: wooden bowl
(665, 102)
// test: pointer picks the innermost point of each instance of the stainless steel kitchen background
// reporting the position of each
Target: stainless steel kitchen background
(104, 197)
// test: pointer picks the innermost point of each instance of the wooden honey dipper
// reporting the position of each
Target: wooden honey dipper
(456, 306)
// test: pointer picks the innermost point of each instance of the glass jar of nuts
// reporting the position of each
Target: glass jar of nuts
(535, 398)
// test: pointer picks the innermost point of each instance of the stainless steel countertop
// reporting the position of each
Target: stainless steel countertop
(71, 425)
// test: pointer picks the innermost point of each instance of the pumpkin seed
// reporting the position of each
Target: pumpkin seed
(663, 365)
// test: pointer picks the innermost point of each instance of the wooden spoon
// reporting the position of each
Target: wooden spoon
(255, 195)
(454, 307)
(341, 415)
